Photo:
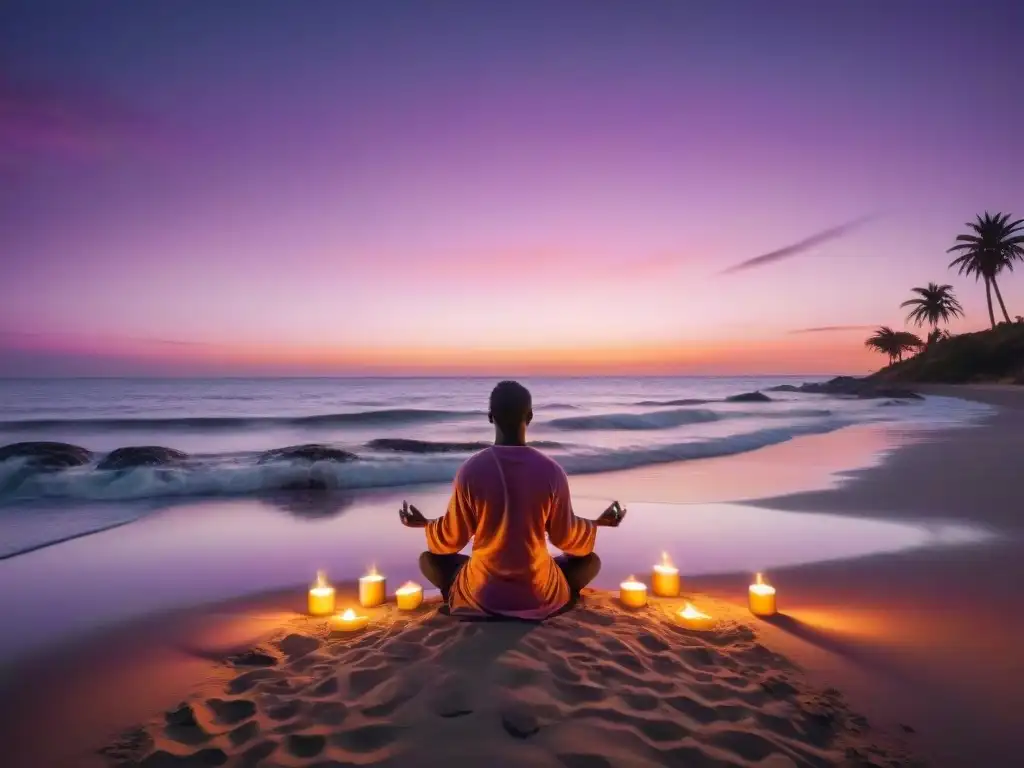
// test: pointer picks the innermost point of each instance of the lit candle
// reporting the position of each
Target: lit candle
(321, 596)
(762, 598)
(409, 596)
(371, 589)
(349, 621)
(665, 579)
(633, 593)
(690, 617)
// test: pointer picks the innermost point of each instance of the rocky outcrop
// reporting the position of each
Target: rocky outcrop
(44, 456)
(851, 386)
(141, 456)
(749, 397)
(310, 453)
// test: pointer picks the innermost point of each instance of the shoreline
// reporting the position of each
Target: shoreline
(927, 637)
(849, 624)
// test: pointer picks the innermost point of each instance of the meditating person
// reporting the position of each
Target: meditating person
(506, 499)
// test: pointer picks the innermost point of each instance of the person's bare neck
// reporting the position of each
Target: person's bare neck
(517, 438)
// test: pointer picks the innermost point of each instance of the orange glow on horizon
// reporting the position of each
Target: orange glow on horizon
(786, 354)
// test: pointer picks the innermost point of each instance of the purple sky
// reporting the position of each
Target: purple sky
(327, 186)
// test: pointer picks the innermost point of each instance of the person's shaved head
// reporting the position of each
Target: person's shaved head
(511, 407)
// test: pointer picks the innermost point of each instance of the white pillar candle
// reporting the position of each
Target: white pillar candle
(349, 621)
(665, 578)
(321, 596)
(409, 596)
(690, 617)
(372, 589)
(762, 598)
(633, 593)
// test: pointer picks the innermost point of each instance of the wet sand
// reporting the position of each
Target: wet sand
(927, 638)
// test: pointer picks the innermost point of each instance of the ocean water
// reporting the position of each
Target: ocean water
(224, 426)
(97, 547)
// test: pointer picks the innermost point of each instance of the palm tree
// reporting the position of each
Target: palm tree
(992, 245)
(893, 343)
(931, 305)
(936, 334)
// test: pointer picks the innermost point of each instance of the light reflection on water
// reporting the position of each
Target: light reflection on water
(210, 551)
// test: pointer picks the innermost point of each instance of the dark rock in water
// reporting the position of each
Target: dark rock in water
(141, 456)
(47, 456)
(404, 445)
(850, 386)
(310, 452)
(749, 397)
(891, 392)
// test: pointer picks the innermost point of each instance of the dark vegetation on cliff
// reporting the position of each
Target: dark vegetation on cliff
(995, 356)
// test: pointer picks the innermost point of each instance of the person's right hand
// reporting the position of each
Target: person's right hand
(411, 517)
(612, 516)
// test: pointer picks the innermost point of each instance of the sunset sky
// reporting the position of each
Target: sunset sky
(191, 188)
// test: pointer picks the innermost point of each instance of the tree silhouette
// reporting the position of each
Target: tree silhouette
(933, 304)
(893, 343)
(992, 245)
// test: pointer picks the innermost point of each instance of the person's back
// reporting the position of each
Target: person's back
(509, 499)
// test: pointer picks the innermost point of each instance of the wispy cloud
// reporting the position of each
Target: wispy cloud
(834, 329)
(795, 249)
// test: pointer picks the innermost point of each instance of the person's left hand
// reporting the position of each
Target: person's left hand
(612, 516)
(411, 517)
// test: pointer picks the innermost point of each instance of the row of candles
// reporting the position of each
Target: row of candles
(665, 582)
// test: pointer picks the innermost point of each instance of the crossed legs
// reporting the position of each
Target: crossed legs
(442, 570)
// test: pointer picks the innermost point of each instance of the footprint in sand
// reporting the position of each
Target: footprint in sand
(367, 738)
(181, 726)
(257, 753)
(451, 698)
(253, 658)
(750, 746)
(231, 711)
(328, 712)
(285, 710)
(306, 745)
(249, 680)
(326, 687)
(243, 733)
(200, 759)
(362, 681)
(295, 645)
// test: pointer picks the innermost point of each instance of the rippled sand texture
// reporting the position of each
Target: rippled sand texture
(599, 686)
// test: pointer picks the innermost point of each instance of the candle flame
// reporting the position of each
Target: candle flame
(689, 612)
(665, 560)
(760, 579)
(321, 579)
(348, 615)
(409, 586)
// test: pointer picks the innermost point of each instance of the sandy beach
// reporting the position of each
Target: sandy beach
(885, 660)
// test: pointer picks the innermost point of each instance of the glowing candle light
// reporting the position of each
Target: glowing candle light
(349, 621)
(665, 579)
(409, 596)
(372, 588)
(762, 598)
(321, 596)
(633, 593)
(690, 617)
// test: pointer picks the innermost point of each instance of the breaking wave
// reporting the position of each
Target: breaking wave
(388, 416)
(670, 419)
(243, 475)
